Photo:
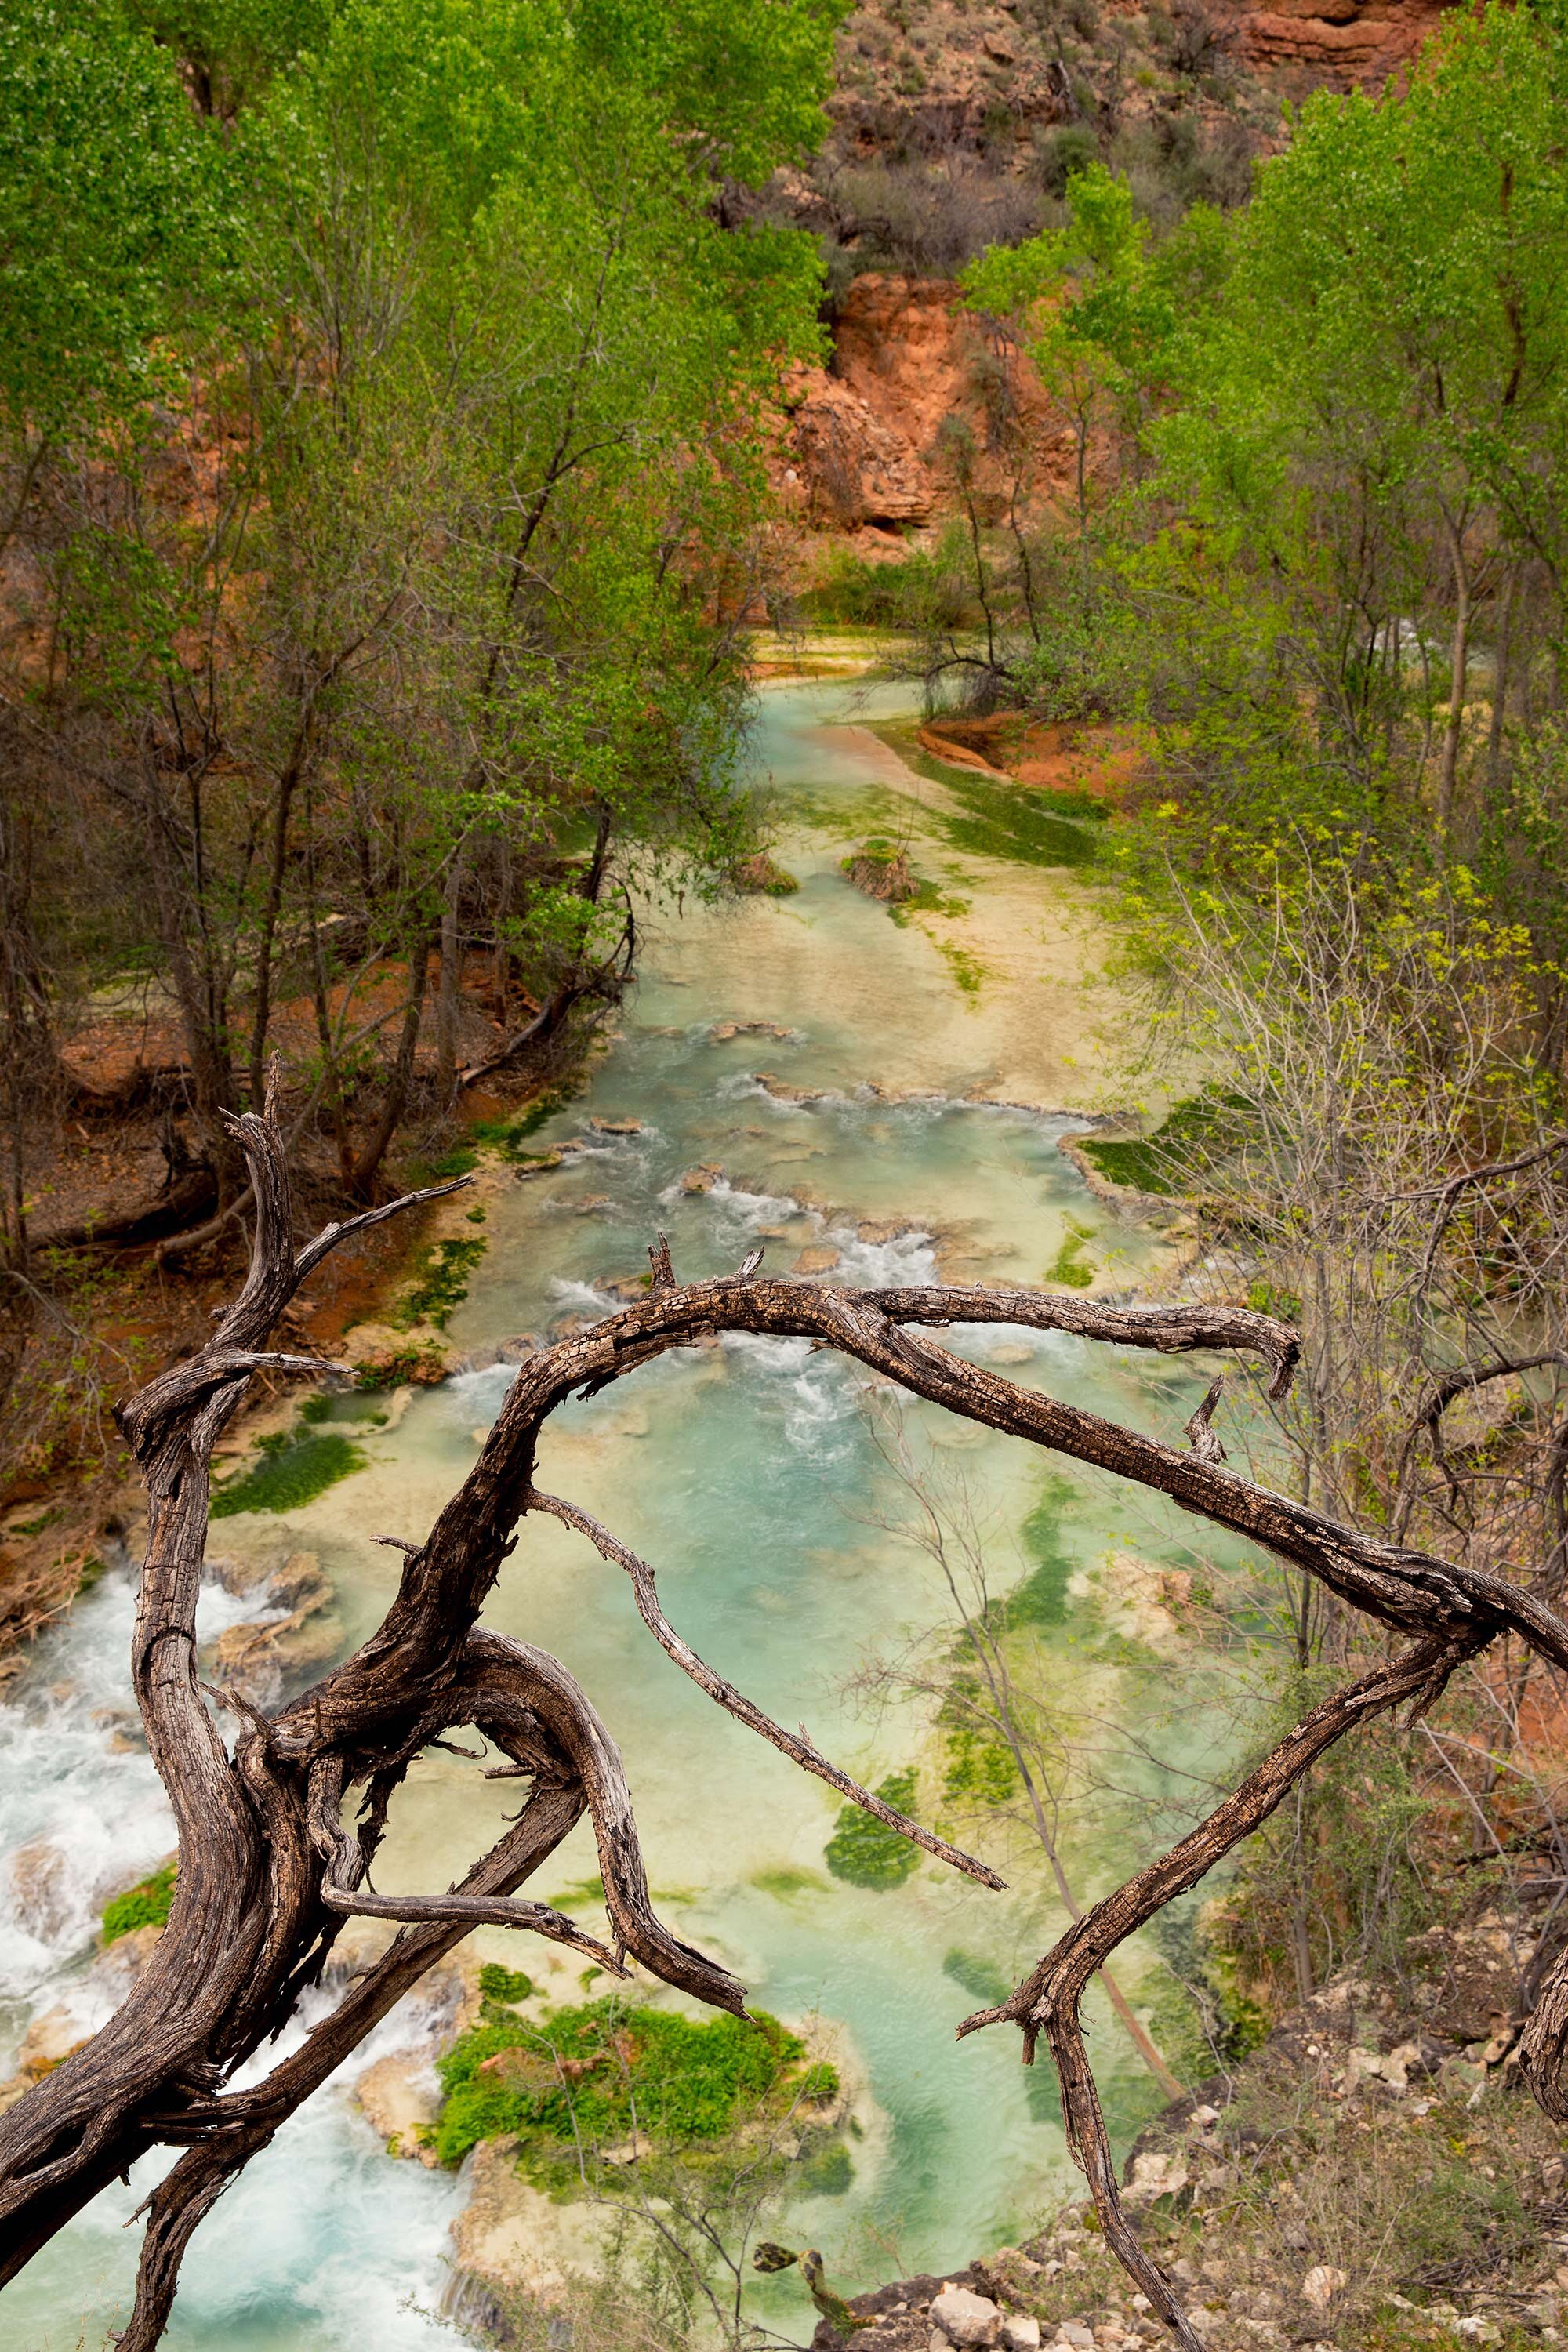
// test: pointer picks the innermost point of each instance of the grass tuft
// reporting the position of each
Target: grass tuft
(145, 1906)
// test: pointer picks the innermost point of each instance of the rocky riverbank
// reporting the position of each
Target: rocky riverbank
(1373, 2177)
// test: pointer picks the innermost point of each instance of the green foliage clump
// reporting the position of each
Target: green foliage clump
(112, 193)
(1268, 1299)
(864, 1850)
(924, 588)
(875, 852)
(593, 2076)
(818, 2084)
(145, 1906)
(442, 1283)
(292, 1471)
(461, 1160)
(503, 1985)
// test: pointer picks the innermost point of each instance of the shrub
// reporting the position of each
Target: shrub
(763, 874)
(1061, 153)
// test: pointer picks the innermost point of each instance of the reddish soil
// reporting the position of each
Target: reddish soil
(1082, 758)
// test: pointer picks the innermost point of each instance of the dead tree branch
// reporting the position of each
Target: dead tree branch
(270, 1861)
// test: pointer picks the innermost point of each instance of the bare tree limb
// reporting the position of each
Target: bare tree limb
(268, 1868)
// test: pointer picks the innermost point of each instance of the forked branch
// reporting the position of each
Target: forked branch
(269, 1866)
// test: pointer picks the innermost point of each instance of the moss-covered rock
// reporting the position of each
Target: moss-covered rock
(610, 2079)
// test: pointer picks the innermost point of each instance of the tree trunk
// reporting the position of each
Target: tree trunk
(449, 991)
(1459, 673)
(272, 908)
(368, 1165)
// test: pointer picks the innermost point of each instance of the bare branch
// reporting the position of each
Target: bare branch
(801, 1751)
(1200, 1430)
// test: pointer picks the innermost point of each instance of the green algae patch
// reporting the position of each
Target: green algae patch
(784, 1884)
(1069, 1269)
(1170, 1161)
(146, 1905)
(865, 1850)
(440, 1284)
(608, 2076)
(967, 970)
(293, 1467)
(500, 1984)
(981, 1770)
(981, 1980)
(998, 818)
(1041, 1597)
(928, 897)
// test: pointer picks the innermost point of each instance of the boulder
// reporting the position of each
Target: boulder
(964, 2318)
(1320, 2285)
(379, 1353)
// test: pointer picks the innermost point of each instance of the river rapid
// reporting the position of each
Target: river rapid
(900, 1112)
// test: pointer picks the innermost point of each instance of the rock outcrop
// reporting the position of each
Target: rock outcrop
(1336, 44)
(865, 440)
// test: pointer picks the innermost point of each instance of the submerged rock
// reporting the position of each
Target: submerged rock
(401, 2098)
(820, 1258)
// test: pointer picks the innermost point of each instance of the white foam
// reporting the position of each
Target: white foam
(64, 1789)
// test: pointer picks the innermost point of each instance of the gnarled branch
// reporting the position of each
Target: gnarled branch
(269, 1869)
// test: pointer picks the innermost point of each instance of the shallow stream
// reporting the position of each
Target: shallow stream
(747, 1472)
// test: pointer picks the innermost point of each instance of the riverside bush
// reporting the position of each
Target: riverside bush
(585, 2078)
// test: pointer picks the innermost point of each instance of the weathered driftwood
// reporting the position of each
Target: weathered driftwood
(270, 1867)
